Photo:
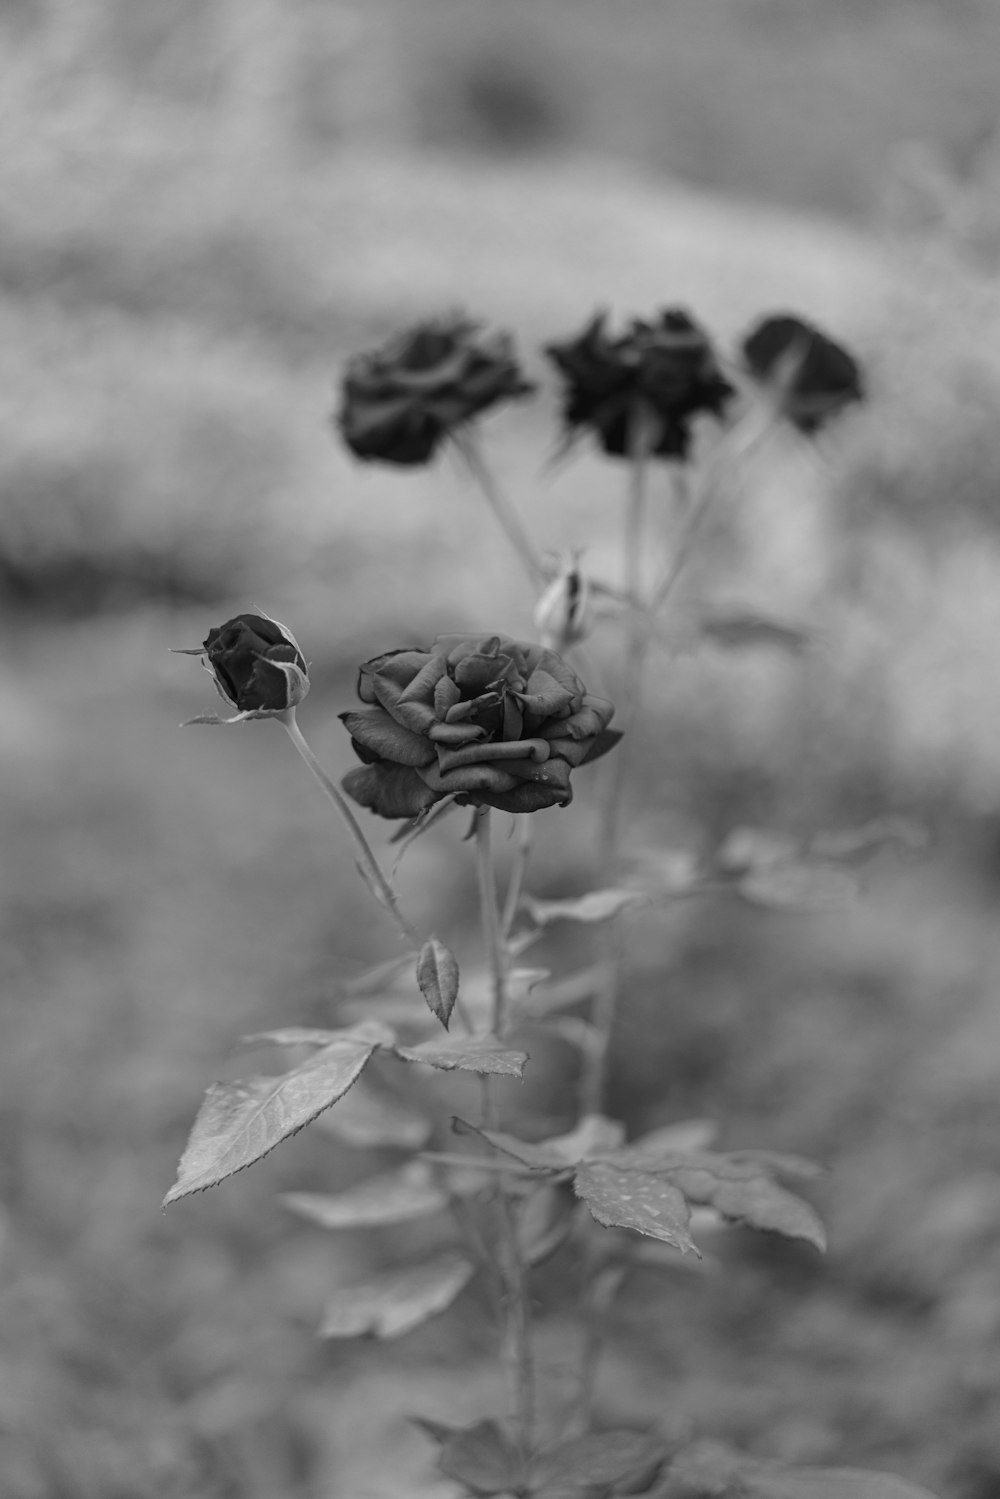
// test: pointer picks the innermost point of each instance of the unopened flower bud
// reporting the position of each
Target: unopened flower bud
(562, 614)
(256, 666)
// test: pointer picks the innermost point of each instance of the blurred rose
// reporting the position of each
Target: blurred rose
(644, 386)
(400, 401)
(811, 376)
(257, 664)
(562, 616)
(496, 722)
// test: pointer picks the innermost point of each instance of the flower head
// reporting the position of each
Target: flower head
(491, 721)
(256, 665)
(812, 377)
(643, 386)
(400, 401)
(562, 614)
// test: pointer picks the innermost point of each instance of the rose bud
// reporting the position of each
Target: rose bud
(256, 665)
(643, 387)
(400, 401)
(491, 721)
(811, 377)
(562, 616)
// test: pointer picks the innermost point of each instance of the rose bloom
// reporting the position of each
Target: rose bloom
(399, 402)
(256, 664)
(645, 385)
(492, 721)
(813, 377)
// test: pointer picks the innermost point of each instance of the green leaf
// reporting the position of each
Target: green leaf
(483, 1054)
(395, 1197)
(740, 1187)
(800, 886)
(240, 1122)
(392, 1304)
(710, 1470)
(482, 1457)
(597, 905)
(370, 1118)
(739, 629)
(437, 976)
(608, 1462)
(630, 1199)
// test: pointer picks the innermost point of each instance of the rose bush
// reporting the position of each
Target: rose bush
(659, 374)
(813, 377)
(256, 665)
(493, 721)
(400, 401)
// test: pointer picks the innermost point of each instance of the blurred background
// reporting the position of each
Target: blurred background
(205, 208)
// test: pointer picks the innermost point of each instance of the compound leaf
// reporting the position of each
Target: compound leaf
(630, 1199)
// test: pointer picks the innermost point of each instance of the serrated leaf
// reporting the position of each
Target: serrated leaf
(437, 977)
(597, 905)
(240, 1122)
(618, 1462)
(739, 629)
(392, 1304)
(630, 1199)
(799, 886)
(592, 1136)
(395, 1197)
(544, 1221)
(709, 1468)
(482, 1457)
(369, 1118)
(738, 1187)
(482, 1054)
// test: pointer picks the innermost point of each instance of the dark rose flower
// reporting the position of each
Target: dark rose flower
(400, 401)
(496, 722)
(813, 377)
(256, 664)
(659, 374)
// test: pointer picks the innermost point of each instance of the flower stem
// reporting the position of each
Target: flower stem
(467, 443)
(368, 865)
(521, 855)
(516, 1339)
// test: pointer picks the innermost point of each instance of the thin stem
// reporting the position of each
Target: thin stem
(522, 853)
(368, 865)
(493, 937)
(517, 1350)
(467, 443)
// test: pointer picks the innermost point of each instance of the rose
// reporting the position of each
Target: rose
(401, 400)
(642, 388)
(812, 377)
(256, 665)
(492, 721)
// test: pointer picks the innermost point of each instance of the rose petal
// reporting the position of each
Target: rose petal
(545, 697)
(474, 673)
(478, 777)
(389, 790)
(446, 694)
(379, 732)
(455, 733)
(534, 751)
(529, 796)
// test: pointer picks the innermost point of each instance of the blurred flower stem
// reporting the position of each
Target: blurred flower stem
(641, 627)
(516, 1333)
(468, 445)
(368, 865)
